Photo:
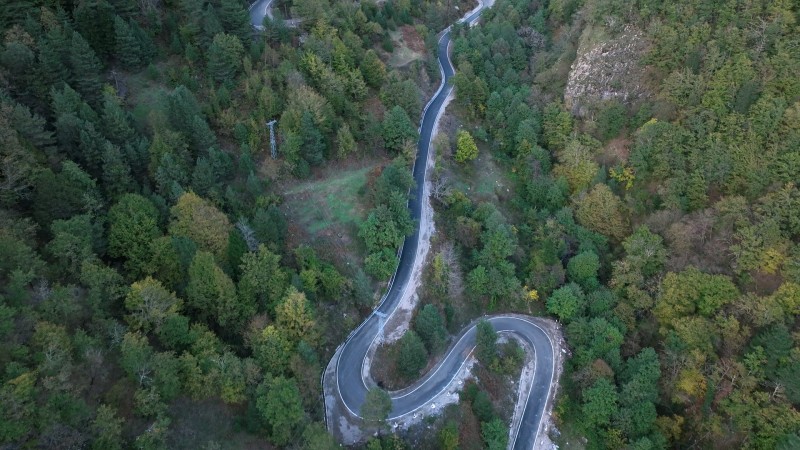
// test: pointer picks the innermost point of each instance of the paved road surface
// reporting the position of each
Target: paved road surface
(351, 386)
(263, 8)
(353, 389)
(258, 10)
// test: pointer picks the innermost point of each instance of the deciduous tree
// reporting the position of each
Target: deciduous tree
(198, 220)
(107, 429)
(149, 304)
(376, 406)
(278, 401)
(601, 210)
(600, 403)
(567, 302)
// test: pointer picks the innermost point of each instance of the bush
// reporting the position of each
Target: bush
(610, 121)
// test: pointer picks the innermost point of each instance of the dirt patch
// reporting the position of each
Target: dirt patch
(408, 46)
(615, 152)
(412, 39)
(374, 108)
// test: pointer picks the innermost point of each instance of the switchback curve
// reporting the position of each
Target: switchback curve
(350, 362)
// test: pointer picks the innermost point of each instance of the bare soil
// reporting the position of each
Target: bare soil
(615, 152)
(412, 39)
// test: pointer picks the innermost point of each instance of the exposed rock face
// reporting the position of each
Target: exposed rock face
(605, 70)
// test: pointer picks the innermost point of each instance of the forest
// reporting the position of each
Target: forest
(162, 284)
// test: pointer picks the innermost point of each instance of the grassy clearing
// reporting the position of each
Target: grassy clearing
(209, 424)
(320, 205)
(145, 93)
(326, 214)
(482, 179)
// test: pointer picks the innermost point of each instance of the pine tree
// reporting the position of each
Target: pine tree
(411, 355)
(31, 127)
(116, 172)
(225, 57)
(133, 225)
(397, 129)
(210, 29)
(19, 60)
(147, 47)
(201, 136)
(235, 19)
(373, 69)
(171, 176)
(18, 164)
(94, 19)
(53, 69)
(182, 106)
(126, 8)
(92, 145)
(466, 149)
(14, 12)
(203, 177)
(128, 51)
(345, 142)
(211, 293)
(85, 68)
(115, 120)
(313, 147)
(192, 15)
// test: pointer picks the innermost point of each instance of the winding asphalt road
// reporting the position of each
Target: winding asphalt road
(263, 8)
(352, 354)
(258, 10)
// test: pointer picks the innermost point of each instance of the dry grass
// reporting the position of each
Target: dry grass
(408, 47)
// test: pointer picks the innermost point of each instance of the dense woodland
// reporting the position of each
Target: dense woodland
(147, 268)
(674, 267)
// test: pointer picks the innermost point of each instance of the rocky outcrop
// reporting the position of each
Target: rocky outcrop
(606, 69)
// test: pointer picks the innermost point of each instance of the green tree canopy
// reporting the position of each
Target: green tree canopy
(197, 219)
(212, 294)
(278, 401)
(376, 406)
(567, 302)
(583, 269)
(602, 211)
(149, 305)
(133, 226)
(411, 355)
(485, 343)
(397, 129)
(599, 403)
(262, 281)
(692, 292)
(430, 327)
(466, 149)
(224, 57)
